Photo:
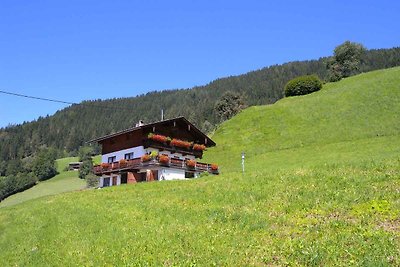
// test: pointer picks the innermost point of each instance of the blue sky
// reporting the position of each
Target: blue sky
(78, 50)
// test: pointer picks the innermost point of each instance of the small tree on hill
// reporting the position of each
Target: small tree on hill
(345, 61)
(86, 168)
(92, 180)
(229, 105)
(44, 165)
(303, 85)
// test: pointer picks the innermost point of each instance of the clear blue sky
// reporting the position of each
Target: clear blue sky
(77, 50)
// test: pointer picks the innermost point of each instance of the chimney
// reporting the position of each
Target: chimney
(162, 114)
(139, 123)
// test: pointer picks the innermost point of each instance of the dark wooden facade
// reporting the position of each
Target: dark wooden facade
(179, 128)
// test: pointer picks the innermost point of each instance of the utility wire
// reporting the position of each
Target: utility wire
(35, 97)
(61, 101)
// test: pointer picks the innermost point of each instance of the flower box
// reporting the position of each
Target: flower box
(105, 165)
(180, 143)
(145, 158)
(122, 163)
(163, 159)
(199, 147)
(214, 167)
(157, 137)
(190, 163)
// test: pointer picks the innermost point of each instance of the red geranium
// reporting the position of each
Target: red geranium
(199, 147)
(191, 163)
(164, 159)
(158, 137)
(180, 143)
(214, 167)
(145, 158)
(105, 165)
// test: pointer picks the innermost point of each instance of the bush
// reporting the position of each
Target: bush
(303, 85)
(229, 105)
(15, 183)
(44, 165)
(92, 180)
(85, 168)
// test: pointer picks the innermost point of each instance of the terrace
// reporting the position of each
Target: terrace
(140, 163)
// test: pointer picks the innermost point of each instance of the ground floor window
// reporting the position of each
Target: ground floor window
(106, 181)
(189, 174)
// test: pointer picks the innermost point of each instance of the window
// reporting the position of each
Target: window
(112, 159)
(129, 155)
(106, 181)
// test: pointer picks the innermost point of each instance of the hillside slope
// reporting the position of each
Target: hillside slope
(320, 188)
(64, 181)
(73, 126)
(361, 108)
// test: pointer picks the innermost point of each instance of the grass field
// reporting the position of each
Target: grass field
(321, 188)
(63, 182)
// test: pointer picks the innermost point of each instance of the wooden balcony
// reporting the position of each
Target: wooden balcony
(172, 149)
(135, 164)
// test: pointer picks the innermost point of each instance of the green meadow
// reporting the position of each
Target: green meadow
(64, 181)
(321, 187)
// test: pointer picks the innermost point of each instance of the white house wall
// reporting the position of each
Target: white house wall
(171, 174)
(140, 151)
(137, 153)
(101, 182)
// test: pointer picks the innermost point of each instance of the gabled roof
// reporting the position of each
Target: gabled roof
(150, 125)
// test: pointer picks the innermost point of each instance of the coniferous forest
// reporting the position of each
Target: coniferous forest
(71, 127)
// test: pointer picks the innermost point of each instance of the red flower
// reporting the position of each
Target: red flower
(105, 165)
(158, 137)
(199, 147)
(122, 162)
(180, 143)
(214, 167)
(164, 159)
(145, 158)
(191, 163)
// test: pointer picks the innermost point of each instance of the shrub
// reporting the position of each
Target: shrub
(153, 154)
(230, 104)
(44, 165)
(86, 168)
(199, 147)
(92, 180)
(303, 85)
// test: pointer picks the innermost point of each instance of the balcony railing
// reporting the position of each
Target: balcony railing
(137, 163)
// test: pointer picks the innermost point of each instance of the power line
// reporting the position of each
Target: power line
(61, 101)
(38, 98)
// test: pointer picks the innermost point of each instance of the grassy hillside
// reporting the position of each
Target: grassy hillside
(63, 182)
(321, 188)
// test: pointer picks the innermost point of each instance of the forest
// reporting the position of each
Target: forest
(73, 126)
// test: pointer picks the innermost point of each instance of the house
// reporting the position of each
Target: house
(74, 166)
(163, 150)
